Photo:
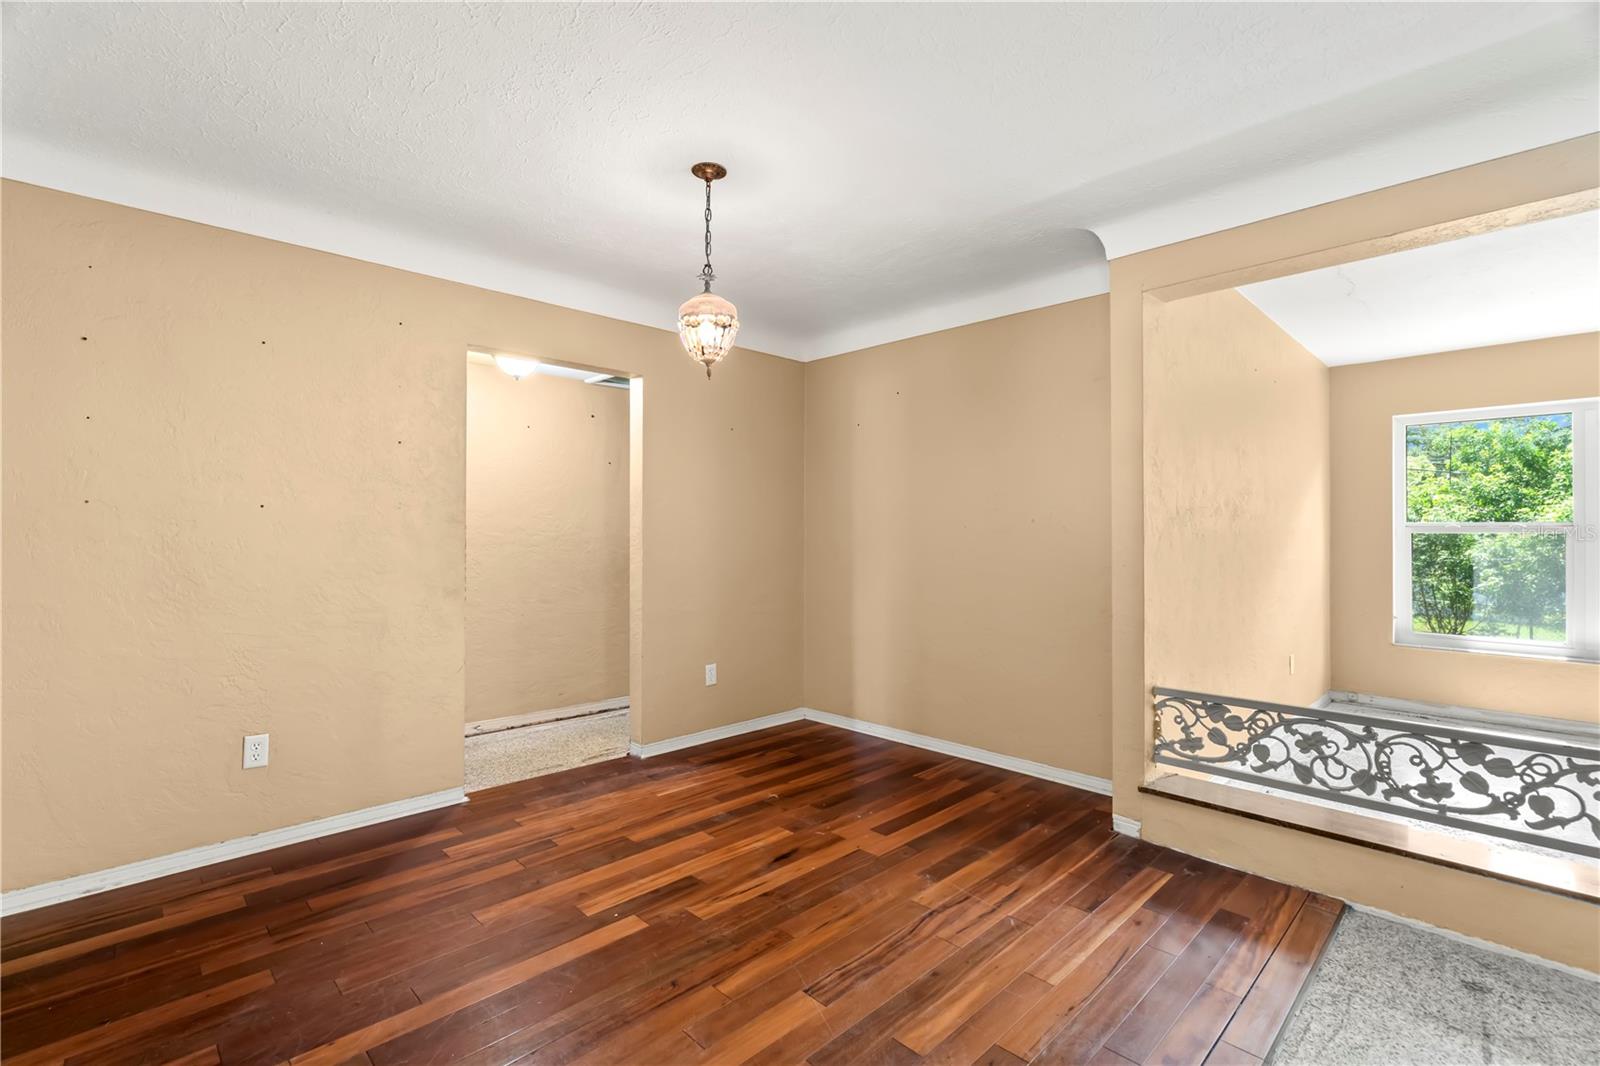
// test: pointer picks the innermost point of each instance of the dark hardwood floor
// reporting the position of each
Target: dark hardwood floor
(798, 895)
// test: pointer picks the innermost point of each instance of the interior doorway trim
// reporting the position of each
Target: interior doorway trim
(635, 699)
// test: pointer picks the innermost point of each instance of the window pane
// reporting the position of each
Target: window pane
(1507, 585)
(1492, 470)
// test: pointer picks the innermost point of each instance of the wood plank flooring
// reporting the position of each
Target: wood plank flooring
(803, 894)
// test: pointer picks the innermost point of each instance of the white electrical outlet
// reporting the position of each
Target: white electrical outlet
(1291, 664)
(255, 751)
(711, 674)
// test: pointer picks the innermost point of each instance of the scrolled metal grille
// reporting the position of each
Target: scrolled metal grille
(1513, 787)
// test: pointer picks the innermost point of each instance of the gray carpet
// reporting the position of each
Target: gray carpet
(1386, 994)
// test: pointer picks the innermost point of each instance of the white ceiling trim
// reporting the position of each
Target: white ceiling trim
(1091, 279)
(1518, 125)
(28, 160)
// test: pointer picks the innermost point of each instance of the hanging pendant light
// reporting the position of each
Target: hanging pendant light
(707, 323)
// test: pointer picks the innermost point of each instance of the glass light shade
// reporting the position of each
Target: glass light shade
(707, 325)
(516, 366)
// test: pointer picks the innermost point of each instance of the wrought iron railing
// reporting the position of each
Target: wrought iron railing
(1515, 785)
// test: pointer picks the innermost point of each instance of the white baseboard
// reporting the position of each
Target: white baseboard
(554, 714)
(26, 899)
(1028, 767)
(1126, 826)
(706, 736)
(900, 736)
(1486, 945)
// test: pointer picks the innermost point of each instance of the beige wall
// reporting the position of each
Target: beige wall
(270, 443)
(1366, 397)
(1554, 926)
(1236, 503)
(956, 543)
(547, 543)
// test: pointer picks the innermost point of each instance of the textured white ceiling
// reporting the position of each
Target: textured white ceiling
(1538, 280)
(894, 168)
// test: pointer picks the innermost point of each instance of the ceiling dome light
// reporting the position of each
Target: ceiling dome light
(707, 324)
(516, 366)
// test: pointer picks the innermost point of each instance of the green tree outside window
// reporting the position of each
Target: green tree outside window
(1495, 584)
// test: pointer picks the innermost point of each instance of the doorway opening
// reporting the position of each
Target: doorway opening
(550, 494)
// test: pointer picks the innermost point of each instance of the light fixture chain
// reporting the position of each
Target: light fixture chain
(706, 273)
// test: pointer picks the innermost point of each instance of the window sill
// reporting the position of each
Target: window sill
(1503, 653)
(1511, 724)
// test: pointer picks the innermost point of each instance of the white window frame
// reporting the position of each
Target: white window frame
(1583, 536)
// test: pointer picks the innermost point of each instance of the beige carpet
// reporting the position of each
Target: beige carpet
(518, 754)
